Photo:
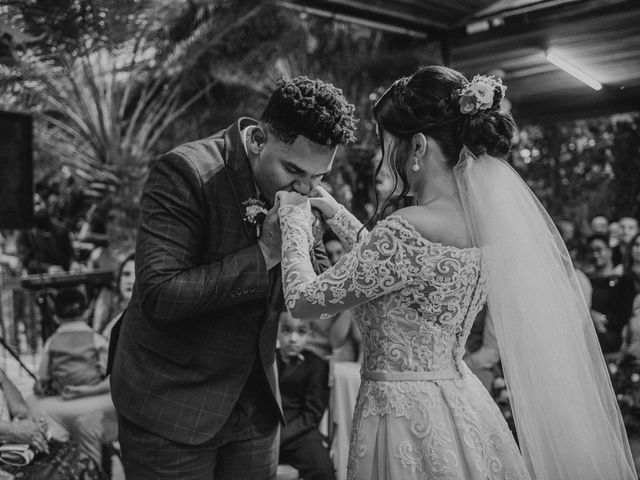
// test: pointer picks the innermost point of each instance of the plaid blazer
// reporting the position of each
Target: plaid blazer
(200, 311)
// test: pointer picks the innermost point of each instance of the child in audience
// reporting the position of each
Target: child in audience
(303, 379)
(73, 388)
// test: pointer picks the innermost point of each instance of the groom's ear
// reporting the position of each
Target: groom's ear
(257, 139)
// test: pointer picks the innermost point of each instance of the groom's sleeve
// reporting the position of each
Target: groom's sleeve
(173, 282)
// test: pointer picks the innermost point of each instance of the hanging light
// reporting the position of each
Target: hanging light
(573, 71)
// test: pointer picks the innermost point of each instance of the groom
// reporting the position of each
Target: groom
(193, 377)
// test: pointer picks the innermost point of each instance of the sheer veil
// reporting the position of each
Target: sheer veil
(567, 418)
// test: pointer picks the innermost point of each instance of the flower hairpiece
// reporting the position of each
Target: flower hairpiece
(481, 93)
(255, 211)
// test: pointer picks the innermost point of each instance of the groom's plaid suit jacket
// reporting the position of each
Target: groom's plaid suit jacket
(199, 314)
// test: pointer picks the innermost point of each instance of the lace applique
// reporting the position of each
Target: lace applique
(382, 263)
(417, 301)
(347, 227)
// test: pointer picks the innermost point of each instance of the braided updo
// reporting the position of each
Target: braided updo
(428, 102)
(311, 108)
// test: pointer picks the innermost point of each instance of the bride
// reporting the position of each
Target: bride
(477, 234)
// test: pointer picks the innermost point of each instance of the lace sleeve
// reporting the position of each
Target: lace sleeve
(378, 265)
(346, 227)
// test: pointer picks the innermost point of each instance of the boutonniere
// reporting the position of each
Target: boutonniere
(255, 211)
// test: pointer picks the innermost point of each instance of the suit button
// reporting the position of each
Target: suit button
(245, 290)
(252, 289)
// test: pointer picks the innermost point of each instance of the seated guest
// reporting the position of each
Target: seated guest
(73, 386)
(303, 380)
(125, 279)
(49, 459)
(612, 294)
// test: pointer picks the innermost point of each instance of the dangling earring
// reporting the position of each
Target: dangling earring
(415, 167)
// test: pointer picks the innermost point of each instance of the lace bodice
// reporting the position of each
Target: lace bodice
(416, 300)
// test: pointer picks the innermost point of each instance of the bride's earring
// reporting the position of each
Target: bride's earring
(415, 167)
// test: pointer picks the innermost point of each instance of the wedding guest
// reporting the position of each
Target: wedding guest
(629, 229)
(333, 246)
(20, 424)
(632, 334)
(599, 225)
(482, 354)
(612, 294)
(73, 389)
(615, 242)
(303, 378)
(634, 262)
(45, 248)
(125, 280)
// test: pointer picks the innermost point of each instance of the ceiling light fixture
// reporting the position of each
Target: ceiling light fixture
(573, 71)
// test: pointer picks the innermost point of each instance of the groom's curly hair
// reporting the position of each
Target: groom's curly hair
(311, 108)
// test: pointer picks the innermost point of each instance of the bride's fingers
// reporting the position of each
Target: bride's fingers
(318, 192)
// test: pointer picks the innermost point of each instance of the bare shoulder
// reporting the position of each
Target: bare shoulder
(439, 222)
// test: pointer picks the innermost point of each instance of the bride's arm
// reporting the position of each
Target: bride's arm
(376, 266)
(347, 228)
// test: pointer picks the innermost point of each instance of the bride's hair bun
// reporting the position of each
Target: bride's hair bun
(441, 103)
(489, 131)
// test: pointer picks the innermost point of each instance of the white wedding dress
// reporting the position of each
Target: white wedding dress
(420, 413)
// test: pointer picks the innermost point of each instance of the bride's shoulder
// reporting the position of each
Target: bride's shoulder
(438, 223)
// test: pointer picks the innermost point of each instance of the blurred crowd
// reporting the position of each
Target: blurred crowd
(73, 397)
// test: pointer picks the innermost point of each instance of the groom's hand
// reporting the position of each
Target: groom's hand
(270, 241)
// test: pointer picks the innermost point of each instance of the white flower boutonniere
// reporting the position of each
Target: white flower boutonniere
(255, 211)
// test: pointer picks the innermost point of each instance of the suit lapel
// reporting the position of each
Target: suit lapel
(238, 171)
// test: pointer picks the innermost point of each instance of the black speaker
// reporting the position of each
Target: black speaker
(16, 170)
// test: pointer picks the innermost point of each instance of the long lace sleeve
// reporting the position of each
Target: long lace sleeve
(379, 264)
(346, 227)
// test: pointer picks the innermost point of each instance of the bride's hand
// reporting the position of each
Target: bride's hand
(291, 198)
(321, 199)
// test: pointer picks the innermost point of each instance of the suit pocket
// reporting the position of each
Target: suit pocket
(167, 347)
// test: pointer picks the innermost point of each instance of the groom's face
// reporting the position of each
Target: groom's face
(298, 167)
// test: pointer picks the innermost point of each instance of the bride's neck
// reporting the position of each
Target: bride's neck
(440, 183)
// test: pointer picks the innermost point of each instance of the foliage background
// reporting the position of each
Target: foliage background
(109, 69)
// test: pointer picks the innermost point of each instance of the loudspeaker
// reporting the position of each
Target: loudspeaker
(16, 170)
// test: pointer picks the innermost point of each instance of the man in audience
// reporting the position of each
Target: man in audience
(600, 225)
(304, 387)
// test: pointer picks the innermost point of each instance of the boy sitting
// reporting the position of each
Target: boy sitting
(73, 389)
(75, 354)
(303, 379)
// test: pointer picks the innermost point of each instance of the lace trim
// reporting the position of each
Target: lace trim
(346, 227)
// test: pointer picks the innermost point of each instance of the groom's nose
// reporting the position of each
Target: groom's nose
(304, 186)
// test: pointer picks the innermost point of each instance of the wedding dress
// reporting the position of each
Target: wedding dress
(420, 413)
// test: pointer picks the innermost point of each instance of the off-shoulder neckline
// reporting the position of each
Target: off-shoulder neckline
(416, 234)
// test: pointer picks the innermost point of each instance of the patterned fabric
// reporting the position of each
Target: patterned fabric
(416, 304)
(198, 320)
(63, 462)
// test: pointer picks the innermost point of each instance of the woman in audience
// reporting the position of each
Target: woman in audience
(124, 283)
(611, 297)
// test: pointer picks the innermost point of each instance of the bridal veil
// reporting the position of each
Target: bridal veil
(567, 418)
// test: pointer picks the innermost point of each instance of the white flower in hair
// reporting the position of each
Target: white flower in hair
(480, 94)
